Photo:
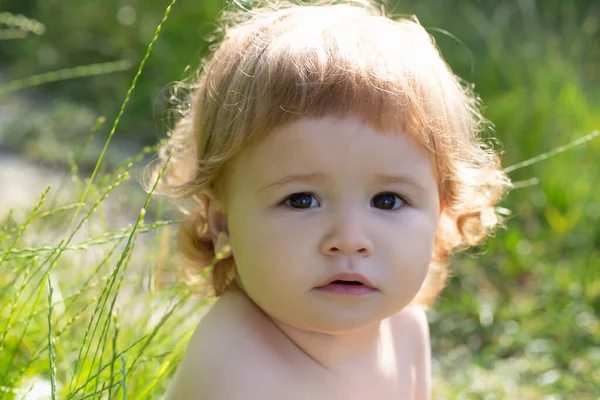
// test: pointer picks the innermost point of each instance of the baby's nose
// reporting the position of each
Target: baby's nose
(348, 237)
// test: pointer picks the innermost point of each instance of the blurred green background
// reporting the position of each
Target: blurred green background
(519, 318)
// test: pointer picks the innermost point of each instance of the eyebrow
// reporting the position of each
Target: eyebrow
(317, 177)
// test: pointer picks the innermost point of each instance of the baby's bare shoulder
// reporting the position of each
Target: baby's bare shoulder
(224, 362)
(414, 319)
(411, 332)
(411, 325)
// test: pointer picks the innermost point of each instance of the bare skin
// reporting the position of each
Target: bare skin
(250, 346)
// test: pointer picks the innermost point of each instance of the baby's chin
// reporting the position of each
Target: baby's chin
(333, 320)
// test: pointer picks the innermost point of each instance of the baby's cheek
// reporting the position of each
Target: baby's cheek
(412, 254)
(267, 239)
(419, 235)
(259, 246)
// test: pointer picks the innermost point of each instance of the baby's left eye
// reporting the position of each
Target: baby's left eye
(387, 200)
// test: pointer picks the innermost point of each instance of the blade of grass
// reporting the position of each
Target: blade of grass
(114, 357)
(123, 377)
(43, 214)
(120, 355)
(22, 22)
(85, 244)
(78, 152)
(6, 222)
(127, 164)
(92, 394)
(13, 305)
(25, 225)
(526, 183)
(25, 328)
(64, 74)
(170, 362)
(551, 153)
(162, 321)
(51, 350)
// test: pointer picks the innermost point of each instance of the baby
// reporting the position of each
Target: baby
(334, 162)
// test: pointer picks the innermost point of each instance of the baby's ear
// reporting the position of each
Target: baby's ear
(215, 214)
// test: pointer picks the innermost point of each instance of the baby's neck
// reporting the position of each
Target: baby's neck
(342, 354)
(364, 352)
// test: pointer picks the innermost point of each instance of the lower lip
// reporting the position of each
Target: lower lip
(347, 290)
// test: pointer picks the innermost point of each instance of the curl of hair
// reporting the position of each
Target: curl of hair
(279, 62)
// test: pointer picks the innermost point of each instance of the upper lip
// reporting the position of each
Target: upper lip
(346, 276)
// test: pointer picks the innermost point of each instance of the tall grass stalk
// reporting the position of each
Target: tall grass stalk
(51, 350)
(73, 157)
(22, 24)
(64, 74)
(24, 331)
(106, 238)
(13, 306)
(552, 153)
(25, 225)
(123, 376)
(114, 352)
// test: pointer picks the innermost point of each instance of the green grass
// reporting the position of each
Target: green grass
(90, 307)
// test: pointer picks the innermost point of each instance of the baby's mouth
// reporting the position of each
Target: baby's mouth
(347, 280)
(343, 288)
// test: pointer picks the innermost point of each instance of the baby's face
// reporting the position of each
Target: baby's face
(289, 239)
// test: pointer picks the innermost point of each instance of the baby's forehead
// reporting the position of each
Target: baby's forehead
(325, 149)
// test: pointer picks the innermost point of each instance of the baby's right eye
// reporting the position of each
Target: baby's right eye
(299, 201)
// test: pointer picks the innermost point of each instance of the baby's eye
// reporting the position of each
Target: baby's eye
(386, 201)
(299, 200)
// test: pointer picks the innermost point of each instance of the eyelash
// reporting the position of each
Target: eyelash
(284, 201)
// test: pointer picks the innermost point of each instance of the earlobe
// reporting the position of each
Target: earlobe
(217, 220)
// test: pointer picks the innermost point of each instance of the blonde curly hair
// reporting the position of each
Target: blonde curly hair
(279, 62)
